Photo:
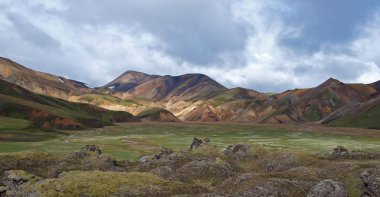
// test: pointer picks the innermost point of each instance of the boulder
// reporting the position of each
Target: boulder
(162, 171)
(3, 190)
(343, 153)
(198, 143)
(86, 151)
(164, 153)
(205, 169)
(340, 151)
(371, 181)
(239, 150)
(272, 187)
(328, 188)
(92, 148)
(14, 178)
(280, 161)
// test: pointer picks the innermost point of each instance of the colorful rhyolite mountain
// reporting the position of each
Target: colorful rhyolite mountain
(196, 97)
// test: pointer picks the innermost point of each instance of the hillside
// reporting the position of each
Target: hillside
(39, 82)
(314, 104)
(197, 97)
(52, 113)
(361, 115)
(154, 87)
(157, 114)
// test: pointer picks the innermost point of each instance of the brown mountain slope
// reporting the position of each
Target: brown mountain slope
(38, 82)
(196, 97)
(316, 103)
(52, 113)
(154, 87)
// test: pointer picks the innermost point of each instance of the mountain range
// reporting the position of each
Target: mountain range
(135, 96)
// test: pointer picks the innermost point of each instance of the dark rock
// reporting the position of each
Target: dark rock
(3, 190)
(371, 181)
(164, 153)
(92, 148)
(240, 150)
(343, 153)
(85, 152)
(328, 188)
(198, 143)
(340, 151)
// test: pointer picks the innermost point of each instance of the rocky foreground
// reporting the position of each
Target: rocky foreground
(203, 170)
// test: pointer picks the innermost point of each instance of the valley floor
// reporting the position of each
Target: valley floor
(133, 140)
(264, 160)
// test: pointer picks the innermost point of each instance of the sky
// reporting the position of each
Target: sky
(265, 45)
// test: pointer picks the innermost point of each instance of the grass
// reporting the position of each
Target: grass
(13, 124)
(367, 119)
(151, 112)
(313, 114)
(133, 140)
(98, 183)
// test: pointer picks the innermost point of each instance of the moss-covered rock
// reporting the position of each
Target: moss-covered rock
(98, 183)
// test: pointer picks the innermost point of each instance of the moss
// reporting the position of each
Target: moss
(312, 113)
(98, 183)
(34, 162)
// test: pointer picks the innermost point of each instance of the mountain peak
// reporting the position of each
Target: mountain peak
(159, 87)
(330, 81)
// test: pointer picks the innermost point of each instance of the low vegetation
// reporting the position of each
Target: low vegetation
(239, 170)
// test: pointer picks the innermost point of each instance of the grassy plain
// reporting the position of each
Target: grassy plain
(133, 140)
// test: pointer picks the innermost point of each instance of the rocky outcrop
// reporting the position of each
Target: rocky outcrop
(204, 169)
(86, 150)
(272, 187)
(198, 143)
(163, 171)
(13, 180)
(371, 182)
(237, 150)
(328, 188)
(341, 152)
(165, 152)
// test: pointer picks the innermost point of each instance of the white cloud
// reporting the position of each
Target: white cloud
(97, 52)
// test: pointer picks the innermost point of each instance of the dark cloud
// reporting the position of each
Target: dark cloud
(327, 22)
(30, 33)
(265, 45)
(195, 31)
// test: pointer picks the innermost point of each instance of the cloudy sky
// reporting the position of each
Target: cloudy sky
(266, 45)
